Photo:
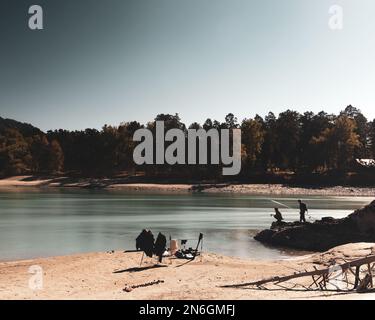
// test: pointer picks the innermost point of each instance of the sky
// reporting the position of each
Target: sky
(106, 62)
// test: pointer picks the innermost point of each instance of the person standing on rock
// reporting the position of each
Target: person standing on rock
(302, 211)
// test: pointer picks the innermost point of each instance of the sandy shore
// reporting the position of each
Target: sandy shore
(105, 275)
(118, 184)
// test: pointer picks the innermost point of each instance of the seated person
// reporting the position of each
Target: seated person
(278, 216)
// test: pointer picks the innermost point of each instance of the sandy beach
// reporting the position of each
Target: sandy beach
(118, 184)
(106, 275)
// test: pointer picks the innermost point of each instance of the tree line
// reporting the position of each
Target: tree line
(289, 142)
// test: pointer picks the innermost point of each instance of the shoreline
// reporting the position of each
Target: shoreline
(15, 183)
(105, 276)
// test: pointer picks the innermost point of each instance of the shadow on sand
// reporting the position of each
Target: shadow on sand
(139, 269)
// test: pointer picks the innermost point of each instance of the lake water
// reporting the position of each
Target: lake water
(37, 223)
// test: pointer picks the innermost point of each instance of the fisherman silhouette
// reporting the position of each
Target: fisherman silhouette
(278, 216)
(302, 210)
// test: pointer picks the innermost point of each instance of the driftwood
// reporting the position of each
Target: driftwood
(143, 285)
(323, 278)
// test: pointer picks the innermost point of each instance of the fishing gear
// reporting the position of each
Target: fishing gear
(281, 204)
(284, 205)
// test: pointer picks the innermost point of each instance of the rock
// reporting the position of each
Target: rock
(265, 235)
(364, 219)
(323, 234)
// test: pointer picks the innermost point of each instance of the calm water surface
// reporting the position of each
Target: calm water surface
(59, 222)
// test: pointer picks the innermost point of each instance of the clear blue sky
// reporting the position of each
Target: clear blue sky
(104, 62)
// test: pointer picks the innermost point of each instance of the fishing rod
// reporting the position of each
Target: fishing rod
(281, 204)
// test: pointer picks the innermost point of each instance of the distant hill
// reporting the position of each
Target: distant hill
(26, 129)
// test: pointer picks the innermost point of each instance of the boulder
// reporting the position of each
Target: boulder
(324, 234)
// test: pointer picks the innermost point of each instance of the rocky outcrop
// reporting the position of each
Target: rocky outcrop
(323, 234)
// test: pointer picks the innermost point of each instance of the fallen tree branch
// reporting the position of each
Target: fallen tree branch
(322, 272)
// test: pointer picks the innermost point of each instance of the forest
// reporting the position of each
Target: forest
(288, 144)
